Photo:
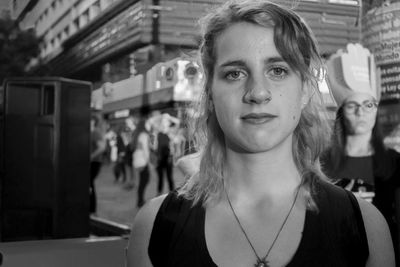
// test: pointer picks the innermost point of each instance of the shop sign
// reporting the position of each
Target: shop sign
(189, 81)
(121, 113)
(113, 32)
(183, 75)
(381, 35)
(123, 89)
(345, 2)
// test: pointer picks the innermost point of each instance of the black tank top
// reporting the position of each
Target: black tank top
(332, 236)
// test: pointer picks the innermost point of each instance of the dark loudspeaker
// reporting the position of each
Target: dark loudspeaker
(44, 159)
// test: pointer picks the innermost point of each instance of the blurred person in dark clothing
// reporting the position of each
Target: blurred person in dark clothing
(163, 154)
(119, 168)
(97, 148)
(141, 157)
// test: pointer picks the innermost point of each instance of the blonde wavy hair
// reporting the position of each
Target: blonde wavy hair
(296, 44)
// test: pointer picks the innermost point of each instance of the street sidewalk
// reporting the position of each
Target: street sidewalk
(117, 204)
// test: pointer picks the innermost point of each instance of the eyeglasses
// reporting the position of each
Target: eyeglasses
(367, 106)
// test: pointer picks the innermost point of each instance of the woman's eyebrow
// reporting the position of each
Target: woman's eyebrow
(362, 102)
(242, 63)
(368, 100)
(273, 60)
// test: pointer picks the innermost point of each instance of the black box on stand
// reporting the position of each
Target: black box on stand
(44, 158)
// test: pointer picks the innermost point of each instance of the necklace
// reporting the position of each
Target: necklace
(261, 262)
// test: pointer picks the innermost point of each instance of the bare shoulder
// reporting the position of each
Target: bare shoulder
(140, 234)
(380, 243)
(189, 164)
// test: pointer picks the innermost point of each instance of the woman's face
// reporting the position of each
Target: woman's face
(359, 114)
(257, 97)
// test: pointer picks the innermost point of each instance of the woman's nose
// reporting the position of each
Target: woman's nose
(359, 110)
(257, 92)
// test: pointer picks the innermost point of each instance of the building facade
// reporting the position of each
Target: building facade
(109, 41)
(5, 9)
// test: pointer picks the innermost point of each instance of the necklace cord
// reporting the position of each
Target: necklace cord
(245, 234)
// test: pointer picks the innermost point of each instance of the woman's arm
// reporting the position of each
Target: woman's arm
(137, 250)
(380, 244)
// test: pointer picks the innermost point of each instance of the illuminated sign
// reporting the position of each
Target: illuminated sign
(190, 80)
(344, 2)
(382, 36)
(121, 113)
(352, 71)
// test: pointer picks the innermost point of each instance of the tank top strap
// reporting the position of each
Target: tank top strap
(363, 248)
(169, 222)
(342, 225)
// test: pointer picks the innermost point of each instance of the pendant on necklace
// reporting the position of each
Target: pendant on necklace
(261, 263)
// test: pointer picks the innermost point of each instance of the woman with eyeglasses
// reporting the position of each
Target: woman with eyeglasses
(357, 159)
(356, 138)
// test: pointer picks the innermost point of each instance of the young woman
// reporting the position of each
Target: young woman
(259, 198)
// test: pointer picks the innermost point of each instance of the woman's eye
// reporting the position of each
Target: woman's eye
(234, 75)
(369, 105)
(278, 72)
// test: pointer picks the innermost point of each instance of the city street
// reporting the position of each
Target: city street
(308, 91)
(118, 204)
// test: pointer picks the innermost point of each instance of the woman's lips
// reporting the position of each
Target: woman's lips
(258, 118)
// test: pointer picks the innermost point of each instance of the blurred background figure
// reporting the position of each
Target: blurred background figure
(141, 157)
(110, 152)
(128, 134)
(357, 155)
(97, 146)
(162, 147)
(119, 168)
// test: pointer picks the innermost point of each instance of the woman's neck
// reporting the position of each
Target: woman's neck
(261, 174)
(359, 145)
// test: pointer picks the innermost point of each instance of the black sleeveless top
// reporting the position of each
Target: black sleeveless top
(334, 236)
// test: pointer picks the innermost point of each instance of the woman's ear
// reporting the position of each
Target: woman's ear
(304, 101)
(306, 95)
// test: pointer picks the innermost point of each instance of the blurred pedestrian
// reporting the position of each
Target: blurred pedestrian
(110, 153)
(97, 148)
(119, 168)
(163, 153)
(141, 157)
(129, 149)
